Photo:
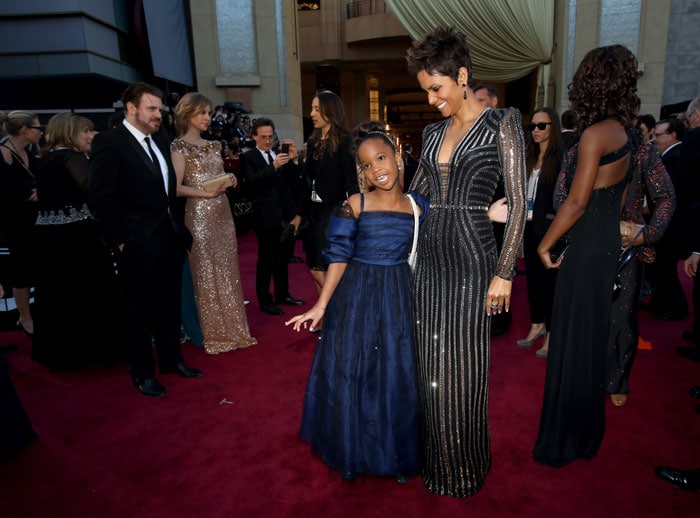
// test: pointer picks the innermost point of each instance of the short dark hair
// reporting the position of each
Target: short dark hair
(569, 119)
(259, 123)
(489, 88)
(135, 91)
(675, 125)
(444, 50)
(647, 119)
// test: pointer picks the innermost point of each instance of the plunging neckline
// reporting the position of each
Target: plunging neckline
(459, 142)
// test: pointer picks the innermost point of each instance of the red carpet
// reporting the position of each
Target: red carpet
(226, 445)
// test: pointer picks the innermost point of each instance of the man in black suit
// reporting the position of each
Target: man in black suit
(669, 302)
(133, 194)
(269, 177)
(689, 203)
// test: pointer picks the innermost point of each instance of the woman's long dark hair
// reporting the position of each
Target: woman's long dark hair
(605, 83)
(551, 162)
(331, 107)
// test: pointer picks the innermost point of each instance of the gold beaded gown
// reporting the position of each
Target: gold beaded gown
(214, 254)
(457, 258)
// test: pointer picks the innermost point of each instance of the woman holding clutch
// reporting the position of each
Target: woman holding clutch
(214, 254)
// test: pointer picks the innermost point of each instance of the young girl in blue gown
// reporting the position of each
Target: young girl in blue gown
(361, 403)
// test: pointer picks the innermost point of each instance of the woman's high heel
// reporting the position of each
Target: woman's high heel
(23, 330)
(526, 344)
(618, 399)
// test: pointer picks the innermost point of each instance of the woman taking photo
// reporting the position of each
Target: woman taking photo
(330, 176)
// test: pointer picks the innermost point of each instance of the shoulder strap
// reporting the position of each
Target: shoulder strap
(362, 202)
(414, 246)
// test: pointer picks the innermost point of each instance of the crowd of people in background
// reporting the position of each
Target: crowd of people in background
(601, 203)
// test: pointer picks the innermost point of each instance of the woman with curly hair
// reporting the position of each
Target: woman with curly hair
(330, 176)
(603, 93)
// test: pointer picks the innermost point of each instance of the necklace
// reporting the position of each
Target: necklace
(15, 154)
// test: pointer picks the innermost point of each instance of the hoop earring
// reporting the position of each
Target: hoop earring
(465, 91)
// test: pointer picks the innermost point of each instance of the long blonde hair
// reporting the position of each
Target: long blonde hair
(190, 104)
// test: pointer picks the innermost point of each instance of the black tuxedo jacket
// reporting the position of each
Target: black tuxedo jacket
(127, 194)
(270, 189)
(688, 192)
(543, 210)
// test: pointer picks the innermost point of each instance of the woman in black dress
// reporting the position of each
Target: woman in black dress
(76, 295)
(603, 93)
(18, 198)
(330, 176)
(543, 157)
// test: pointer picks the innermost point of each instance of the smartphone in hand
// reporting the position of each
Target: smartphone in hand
(285, 148)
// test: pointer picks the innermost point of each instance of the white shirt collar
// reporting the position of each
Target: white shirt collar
(137, 133)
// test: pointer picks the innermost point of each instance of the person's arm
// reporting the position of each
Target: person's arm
(342, 231)
(658, 185)
(348, 167)
(105, 163)
(511, 143)
(315, 314)
(79, 169)
(589, 153)
(179, 162)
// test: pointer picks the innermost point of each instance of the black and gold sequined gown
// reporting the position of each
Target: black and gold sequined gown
(214, 254)
(573, 410)
(457, 259)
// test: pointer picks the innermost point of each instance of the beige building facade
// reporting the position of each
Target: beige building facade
(272, 57)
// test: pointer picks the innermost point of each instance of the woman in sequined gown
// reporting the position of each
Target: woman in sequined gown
(573, 409)
(214, 254)
(460, 279)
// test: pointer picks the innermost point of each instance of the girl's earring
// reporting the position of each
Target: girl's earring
(465, 91)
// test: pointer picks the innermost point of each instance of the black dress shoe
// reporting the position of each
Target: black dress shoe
(690, 337)
(271, 309)
(687, 480)
(182, 370)
(291, 301)
(150, 387)
(296, 260)
(692, 353)
(695, 392)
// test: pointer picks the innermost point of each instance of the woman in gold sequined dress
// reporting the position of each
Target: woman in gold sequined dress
(214, 254)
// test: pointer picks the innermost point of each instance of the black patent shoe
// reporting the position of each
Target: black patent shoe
(182, 370)
(150, 387)
(686, 480)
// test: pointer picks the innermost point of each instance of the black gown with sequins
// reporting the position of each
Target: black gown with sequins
(457, 259)
(573, 410)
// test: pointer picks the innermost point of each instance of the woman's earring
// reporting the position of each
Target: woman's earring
(465, 91)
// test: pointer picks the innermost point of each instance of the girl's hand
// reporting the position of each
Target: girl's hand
(498, 296)
(315, 315)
